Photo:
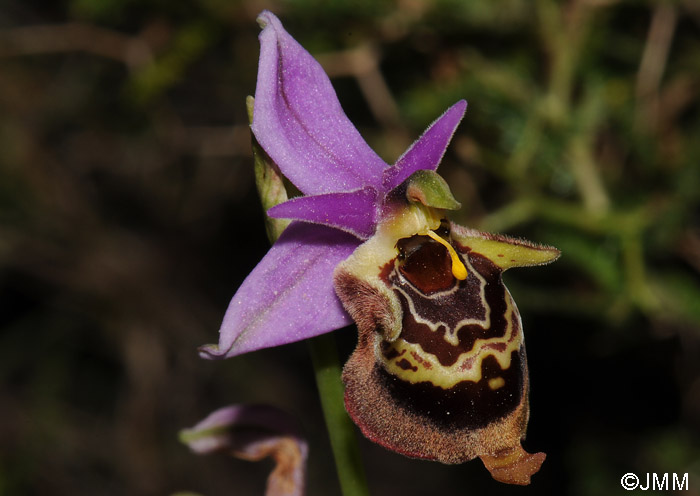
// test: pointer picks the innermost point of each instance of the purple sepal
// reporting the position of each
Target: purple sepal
(289, 296)
(428, 150)
(354, 212)
(300, 123)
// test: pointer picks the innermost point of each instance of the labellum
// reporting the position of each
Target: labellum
(440, 369)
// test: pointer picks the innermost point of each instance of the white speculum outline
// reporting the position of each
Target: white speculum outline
(468, 365)
(451, 334)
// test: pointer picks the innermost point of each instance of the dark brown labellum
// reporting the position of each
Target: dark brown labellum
(440, 369)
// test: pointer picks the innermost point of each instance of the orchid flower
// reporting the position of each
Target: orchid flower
(439, 371)
(254, 432)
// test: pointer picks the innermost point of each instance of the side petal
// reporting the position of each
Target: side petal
(353, 212)
(504, 251)
(300, 123)
(428, 150)
(289, 296)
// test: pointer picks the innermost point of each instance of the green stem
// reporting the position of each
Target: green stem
(346, 451)
(324, 353)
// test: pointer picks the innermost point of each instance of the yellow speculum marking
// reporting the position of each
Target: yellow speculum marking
(458, 268)
(447, 376)
(496, 382)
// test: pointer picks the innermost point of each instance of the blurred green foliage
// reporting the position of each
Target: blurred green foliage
(128, 217)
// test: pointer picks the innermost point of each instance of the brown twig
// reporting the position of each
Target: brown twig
(653, 64)
(362, 63)
(134, 52)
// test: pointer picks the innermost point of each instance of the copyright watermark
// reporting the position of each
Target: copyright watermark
(655, 482)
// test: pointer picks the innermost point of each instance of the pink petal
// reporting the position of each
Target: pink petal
(354, 212)
(427, 151)
(289, 296)
(300, 124)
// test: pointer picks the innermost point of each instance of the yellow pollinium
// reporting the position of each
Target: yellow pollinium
(458, 268)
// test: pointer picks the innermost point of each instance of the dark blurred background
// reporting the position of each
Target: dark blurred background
(128, 217)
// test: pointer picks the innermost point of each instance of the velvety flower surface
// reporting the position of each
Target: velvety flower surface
(300, 124)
